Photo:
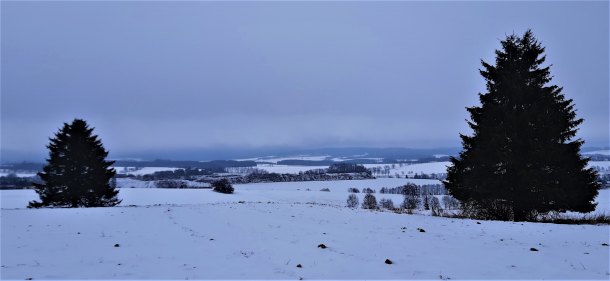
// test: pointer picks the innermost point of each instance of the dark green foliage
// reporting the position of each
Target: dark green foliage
(76, 174)
(222, 186)
(521, 159)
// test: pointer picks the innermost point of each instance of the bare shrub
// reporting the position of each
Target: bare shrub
(352, 201)
(369, 202)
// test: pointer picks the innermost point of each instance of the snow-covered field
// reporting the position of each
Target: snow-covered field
(142, 171)
(602, 152)
(134, 183)
(18, 174)
(200, 234)
(599, 165)
(411, 169)
(287, 169)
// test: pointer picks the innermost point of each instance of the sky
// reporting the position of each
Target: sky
(203, 75)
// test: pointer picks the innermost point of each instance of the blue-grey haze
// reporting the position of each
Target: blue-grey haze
(186, 75)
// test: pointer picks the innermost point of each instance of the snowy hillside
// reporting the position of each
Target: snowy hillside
(600, 152)
(142, 171)
(287, 169)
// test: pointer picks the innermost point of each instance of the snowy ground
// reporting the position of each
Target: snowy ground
(287, 169)
(142, 171)
(425, 168)
(200, 234)
(602, 152)
(20, 175)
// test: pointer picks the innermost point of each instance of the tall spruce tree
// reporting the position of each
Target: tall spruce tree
(522, 159)
(77, 173)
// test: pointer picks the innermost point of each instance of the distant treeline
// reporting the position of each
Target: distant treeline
(361, 161)
(23, 166)
(11, 181)
(216, 164)
(426, 189)
(312, 175)
(185, 174)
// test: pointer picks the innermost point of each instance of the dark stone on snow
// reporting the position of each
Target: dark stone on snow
(116, 245)
(299, 265)
(421, 230)
(388, 261)
(605, 244)
(478, 223)
(533, 249)
(322, 246)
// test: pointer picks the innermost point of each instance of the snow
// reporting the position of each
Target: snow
(134, 183)
(167, 234)
(142, 171)
(602, 152)
(600, 164)
(18, 174)
(426, 168)
(287, 169)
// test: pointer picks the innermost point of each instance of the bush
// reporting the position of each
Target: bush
(222, 186)
(325, 189)
(368, 190)
(353, 190)
(386, 204)
(352, 201)
(369, 202)
(410, 202)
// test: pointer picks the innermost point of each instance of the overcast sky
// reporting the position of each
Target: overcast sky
(167, 75)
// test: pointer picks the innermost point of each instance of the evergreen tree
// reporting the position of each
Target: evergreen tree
(76, 174)
(521, 159)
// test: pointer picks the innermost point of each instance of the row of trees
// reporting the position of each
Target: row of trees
(410, 202)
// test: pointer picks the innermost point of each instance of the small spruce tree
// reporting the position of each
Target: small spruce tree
(77, 173)
(522, 159)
